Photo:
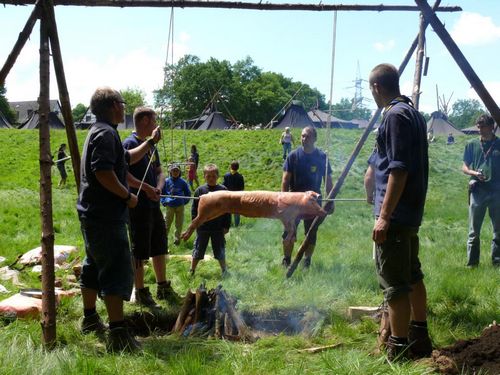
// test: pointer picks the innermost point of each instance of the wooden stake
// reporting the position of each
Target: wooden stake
(186, 307)
(419, 62)
(48, 293)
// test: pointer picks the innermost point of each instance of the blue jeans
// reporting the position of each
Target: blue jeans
(287, 147)
(480, 200)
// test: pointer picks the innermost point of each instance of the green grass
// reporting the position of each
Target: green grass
(461, 301)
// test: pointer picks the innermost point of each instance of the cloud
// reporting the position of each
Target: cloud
(384, 46)
(475, 29)
(493, 88)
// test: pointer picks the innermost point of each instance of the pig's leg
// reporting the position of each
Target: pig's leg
(290, 230)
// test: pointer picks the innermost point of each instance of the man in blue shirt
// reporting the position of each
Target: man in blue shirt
(147, 226)
(401, 175)
(304, 170)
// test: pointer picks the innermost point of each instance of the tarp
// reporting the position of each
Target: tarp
(438, 124)
(4, 123)
(34, 120)
(214, 121)
(295, 117)
(320, 120)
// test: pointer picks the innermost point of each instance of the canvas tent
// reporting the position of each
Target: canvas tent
(320, 120)
(295, 117)
(438, 124)
(24, 110)
(34, 120)
(89, 118)
(214, 121)
(4, 123)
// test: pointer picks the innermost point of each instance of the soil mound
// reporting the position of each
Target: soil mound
(471, 356)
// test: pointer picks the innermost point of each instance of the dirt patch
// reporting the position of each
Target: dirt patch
(471, 356)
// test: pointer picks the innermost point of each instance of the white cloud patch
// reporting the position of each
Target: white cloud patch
(384, 46)
(475, 29)
(492, 87)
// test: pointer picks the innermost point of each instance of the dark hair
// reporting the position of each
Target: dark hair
(193, 148)
(63, 145)
(102, 101)
(485, 120)
(141, 112)
(313, 130)
(235, 165)
(386, 76)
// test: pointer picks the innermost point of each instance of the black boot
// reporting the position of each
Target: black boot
(419, 341)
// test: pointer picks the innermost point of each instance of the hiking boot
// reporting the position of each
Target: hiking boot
(143, 297)
(396, 351)
(286, 262)
(419, 342)
(165, 292)
(385, 328)
(93, 323)
(120, 340)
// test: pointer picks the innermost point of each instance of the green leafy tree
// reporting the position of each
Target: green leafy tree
(464, 112)
(243, 90)
(343, 110)
(9, 114)
(134, 98)
(78, 112)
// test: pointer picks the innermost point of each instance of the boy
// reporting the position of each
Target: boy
(213, 230)
(175, 185)
(234, 181)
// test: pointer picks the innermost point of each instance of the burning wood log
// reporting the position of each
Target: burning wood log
(211, 313)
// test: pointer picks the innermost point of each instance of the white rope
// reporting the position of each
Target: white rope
(146, 171)
(178, 196)
(63, 159)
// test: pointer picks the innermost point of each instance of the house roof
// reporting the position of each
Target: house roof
(24, 109)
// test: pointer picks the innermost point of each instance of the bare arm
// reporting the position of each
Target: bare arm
(395, 187)
(285, 181)
(369, 182)
(138, 153)
(472, 172)
(110, 182)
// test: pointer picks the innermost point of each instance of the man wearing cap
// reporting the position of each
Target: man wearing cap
(286, 140)
(174, 189)
(147, 227)
(482, 164)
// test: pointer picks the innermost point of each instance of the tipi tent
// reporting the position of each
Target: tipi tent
(438, 124)
(320, 120)
(295, 117)
(4, 123)
(214, 121)
(34, 120)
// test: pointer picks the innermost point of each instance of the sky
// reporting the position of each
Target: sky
(127, 48)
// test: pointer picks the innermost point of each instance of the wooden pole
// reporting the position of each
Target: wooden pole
(233, 5)
(21, 41)
(63, 91)
(48, 294)
(460, 59)
(419, 62)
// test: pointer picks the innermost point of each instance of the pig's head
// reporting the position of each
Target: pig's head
(309, 206)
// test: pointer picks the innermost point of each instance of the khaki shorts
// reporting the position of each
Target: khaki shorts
(397, 262)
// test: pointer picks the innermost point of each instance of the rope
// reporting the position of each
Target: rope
(146, 171)
(178, 196)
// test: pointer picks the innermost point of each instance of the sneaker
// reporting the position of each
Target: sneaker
(419, 341)
(396, 351)
(165, 292)
(384, 331)
(93, 323)
(286, 262)
(143, 297)
(120, 340)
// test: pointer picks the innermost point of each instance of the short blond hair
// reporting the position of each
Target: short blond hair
(210, 168)
(141, 112)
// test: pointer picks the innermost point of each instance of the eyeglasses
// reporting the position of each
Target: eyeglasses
(121, 102)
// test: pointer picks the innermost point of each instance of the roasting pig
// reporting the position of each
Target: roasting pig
(286, 206)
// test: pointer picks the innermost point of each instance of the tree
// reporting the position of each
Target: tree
(133, 98)
(464, 112)
(78, 112)
(9, 114)
(241, 90)
(343, 110)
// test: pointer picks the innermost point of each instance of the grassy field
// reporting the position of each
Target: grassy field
(461, 301)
